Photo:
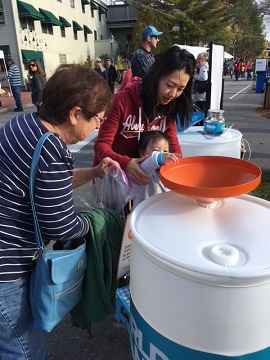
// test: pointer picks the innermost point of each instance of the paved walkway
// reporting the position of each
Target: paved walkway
(8, 103)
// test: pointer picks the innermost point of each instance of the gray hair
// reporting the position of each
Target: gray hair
(203, 55)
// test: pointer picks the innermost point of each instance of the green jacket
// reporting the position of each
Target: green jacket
(103, 243)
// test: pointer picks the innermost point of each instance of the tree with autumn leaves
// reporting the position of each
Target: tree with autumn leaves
(236, 24)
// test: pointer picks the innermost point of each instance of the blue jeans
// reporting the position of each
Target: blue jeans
(18, 339)
(16, 91)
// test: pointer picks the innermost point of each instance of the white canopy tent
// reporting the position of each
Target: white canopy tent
(214, 93)
(2, 59)
(196, 50)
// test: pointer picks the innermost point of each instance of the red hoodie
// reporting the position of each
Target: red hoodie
(118, 136)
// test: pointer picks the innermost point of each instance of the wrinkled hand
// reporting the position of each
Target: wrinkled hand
(103, 168)
(134, 171)
(170, 157)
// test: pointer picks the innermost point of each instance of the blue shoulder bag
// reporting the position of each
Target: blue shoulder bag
(56, 282)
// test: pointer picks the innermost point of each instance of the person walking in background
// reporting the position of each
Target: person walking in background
(127, 76)
(200, 78)
(143, 58)
(74, 101)
(237, 68)
(37, 79)
(14, 78)
(111, 73)
(148, 104)
(249, 68)
(231, 67)
(99, 69)
(243, 69)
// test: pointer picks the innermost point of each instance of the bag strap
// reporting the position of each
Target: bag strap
(32, 183)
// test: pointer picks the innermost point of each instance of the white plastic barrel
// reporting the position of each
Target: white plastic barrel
(194, 142)
(200, 279)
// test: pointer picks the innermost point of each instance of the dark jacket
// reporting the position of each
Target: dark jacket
(101, 73)
(111, 74)
(37, 85)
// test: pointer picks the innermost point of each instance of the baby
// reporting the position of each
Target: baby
(156, 145)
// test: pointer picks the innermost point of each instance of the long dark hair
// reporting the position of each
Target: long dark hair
(172, 59)
(39, 68)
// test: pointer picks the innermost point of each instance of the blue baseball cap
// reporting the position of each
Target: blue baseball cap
(150, 31)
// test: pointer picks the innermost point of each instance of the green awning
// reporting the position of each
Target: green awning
(94, 6)
(102, 10)
(49, 18)
(27, 55)
(1, 7)
(87, 30)
(76, 26)
(6, 50)
(86, 2)
(27, 10)
(64, 22)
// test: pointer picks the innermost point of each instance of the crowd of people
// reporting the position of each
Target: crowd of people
(238, 68)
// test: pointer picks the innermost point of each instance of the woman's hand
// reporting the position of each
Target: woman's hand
(134, 171)
(170, 157)
(82, 176)
(104, 167)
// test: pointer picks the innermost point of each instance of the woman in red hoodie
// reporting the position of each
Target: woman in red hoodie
(151, 103)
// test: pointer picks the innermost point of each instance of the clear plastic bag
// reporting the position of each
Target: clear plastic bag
(112, 191)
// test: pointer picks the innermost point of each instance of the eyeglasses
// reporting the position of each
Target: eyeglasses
(154, 36)
(98, 61)
(100, 118)
(33, 65)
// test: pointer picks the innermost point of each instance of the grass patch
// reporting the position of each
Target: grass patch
(263, 190)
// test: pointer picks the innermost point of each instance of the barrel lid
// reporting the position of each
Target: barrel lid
(195, 134)
(226, 244)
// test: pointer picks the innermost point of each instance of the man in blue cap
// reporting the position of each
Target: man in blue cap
(143, 58)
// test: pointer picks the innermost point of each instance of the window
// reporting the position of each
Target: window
(92, 13)
(47, 28)
(72, 3)
(27, 23)
(63, 31)
(95, 34)
(2, 18)
(63, 58)
(83, 8)
(75, 34)
(85, 37)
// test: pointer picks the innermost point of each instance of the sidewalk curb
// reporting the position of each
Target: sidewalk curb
(11, 109)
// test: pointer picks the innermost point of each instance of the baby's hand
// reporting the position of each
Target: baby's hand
(169, 157)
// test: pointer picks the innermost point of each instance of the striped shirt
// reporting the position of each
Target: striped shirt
(53, 194)
(13, 76)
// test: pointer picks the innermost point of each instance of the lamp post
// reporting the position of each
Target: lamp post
(111, 42)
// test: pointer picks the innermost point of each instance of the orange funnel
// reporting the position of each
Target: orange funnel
(209, 178)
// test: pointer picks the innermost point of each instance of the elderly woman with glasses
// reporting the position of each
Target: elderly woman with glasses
(74, 101)
(37, 79)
